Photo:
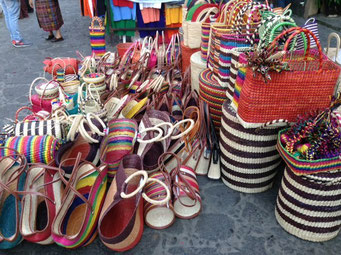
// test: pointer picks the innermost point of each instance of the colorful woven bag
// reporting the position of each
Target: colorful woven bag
(237, 76)
(213, 94)
(249, 159)
(37, 149)
(97, 37)
(118, 143)
(309, 206)
(264, 100)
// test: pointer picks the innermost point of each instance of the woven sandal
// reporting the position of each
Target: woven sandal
(75, 224)
(12, 179)
(40, 203)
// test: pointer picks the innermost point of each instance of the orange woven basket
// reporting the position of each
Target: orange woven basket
(308, 85)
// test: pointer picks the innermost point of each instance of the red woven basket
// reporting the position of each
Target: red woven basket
(186, 56)
(307, 86)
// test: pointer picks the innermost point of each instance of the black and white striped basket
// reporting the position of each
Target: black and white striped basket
(309, 207)
(249, 158)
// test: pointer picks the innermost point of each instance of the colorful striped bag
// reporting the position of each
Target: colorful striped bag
(97, 37)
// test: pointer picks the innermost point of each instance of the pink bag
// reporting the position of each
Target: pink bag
(70, 64)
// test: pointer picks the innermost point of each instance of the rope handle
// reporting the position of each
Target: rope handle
(338, 44)
(99, 20)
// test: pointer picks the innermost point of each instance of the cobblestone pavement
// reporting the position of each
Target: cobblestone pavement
(230, 223)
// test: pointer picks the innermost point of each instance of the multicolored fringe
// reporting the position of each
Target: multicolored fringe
(118, 143)
(37, 149)
(302, 166)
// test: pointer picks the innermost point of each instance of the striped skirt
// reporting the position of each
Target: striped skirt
(48, 14)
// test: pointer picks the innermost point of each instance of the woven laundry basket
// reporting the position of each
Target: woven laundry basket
(249, 158)
(309, 207)
(213, 94)
(197, 66)
(186, 56)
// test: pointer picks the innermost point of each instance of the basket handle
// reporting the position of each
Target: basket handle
(206, 13)
(307, 32)
(311, 20)
(31, 87)
(338, 43)
(98, 19)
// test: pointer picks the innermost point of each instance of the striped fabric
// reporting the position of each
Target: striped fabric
(309, 206)
(118, 143)
(37, 149)
(48, 14)
(248, 157)
(310, 24)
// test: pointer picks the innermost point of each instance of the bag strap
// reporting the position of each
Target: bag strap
(338, 44)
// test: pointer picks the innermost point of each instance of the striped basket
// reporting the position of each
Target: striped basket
(237, 76)
(205, 37)
(97, 37)
(213, 94)
(309, 206)
(37, 149)
(118, 143)
(249, 159)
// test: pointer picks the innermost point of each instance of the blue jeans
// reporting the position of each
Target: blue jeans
(11, 10)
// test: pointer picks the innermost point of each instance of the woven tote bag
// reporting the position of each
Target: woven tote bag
(309, 206)
(213, 94)
(249, 159)
(97, 37)
(197, 66)
(291, 92)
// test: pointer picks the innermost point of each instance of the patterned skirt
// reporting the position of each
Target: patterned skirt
(48, 14)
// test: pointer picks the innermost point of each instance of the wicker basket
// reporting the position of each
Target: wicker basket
(213, 94)
(309, 206)
(197, 66)
(249, 159)
(186, 56)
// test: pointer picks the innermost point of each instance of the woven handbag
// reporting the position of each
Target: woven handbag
(45, 127)
(97, 37)
(37, 149)
(282, 97)
(249, 159)
(197, 66)
(309, 206)
(213, 94)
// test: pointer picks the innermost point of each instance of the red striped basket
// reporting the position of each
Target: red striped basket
(213, 94)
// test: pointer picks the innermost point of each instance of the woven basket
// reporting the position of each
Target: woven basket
(289, 93)
(309, 206)
(213, 94)
(249, 159)
(186, 56)
(97, 37)
(197, 66)
(237, 76)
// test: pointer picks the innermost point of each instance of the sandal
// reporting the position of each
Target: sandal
(39, 207)
(12, 180)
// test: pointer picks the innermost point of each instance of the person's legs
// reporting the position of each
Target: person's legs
(12, 12)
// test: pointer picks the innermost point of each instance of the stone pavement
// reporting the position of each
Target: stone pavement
(230, 223)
